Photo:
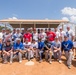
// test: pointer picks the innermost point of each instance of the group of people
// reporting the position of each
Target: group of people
(40, 44)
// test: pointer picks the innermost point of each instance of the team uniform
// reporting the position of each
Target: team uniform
(27, 36)
(62, 34)
(35, 48)
(40, 47)
(28, 49)
(48, 50)
(35, 36)
(18, 50)
(42, 36)
(51, 35)
(7, 52)
(70, 34)
(7, 37)
(57, 50)
(67, 47)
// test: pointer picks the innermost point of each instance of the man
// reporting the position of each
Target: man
(3, 32)
(67, 46)
(28, 36)
(57, 33)
(7, 51)
(62, 33)
(28, 49)
(18, 49)
(51, 35)
(17, 35)
(48, 50)
(7, 36)
(42, 35)
(35, 35)
(40, 48)
(57, 49)
(34, 46)
(70, 34)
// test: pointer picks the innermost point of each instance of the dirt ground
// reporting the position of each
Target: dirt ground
(43, 68)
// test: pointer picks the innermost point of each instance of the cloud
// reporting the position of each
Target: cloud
(65, 18)
(15, 18)
(70, 14)
(73, 19)
(68, 11)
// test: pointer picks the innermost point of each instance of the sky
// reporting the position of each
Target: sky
(38, 9)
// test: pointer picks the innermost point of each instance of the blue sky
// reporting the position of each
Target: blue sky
(35, 9)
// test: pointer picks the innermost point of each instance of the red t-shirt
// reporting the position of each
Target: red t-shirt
(51, 36)
(27, 36)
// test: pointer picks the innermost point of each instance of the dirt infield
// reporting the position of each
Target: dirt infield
(43, 68)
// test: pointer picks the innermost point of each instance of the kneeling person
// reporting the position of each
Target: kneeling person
(7, 52)
(28, 49)
(48, 50)
(18, 49)
(67, 46)
(57, 49)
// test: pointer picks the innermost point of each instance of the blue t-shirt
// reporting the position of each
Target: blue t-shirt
(40, 45)
(67, 45)
(0, 46)
(18, 46)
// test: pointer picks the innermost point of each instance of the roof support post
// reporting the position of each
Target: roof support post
(48, 25)
(34, 25)
(20, 26)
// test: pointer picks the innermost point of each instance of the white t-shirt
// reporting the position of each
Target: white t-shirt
(57, 34)
(34, 45)
(1, 35)
(70, 33)
(7, 37)
(42, 36)
(62, 34)
(27, 45)
(35, 36)
(74, 44)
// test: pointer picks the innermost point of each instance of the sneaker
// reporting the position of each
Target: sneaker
(69, 67)
(73, 58)
(5, 62)
(40, 61)
(60, 61)
(50, 62)
(20, 61)
(10, 62)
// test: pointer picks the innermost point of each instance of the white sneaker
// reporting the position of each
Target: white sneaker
(60, 61)
(10, 62)
(69, 67)
(20, 61)
(50, 62)
(73, 58)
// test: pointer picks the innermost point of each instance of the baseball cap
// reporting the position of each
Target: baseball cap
(18, 39)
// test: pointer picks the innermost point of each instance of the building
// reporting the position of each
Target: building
(22, 23)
